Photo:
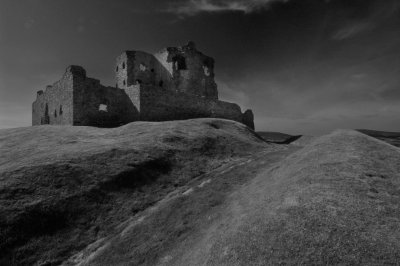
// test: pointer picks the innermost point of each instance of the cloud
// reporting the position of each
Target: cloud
(379, 13)
(352, 29)
(193, 7)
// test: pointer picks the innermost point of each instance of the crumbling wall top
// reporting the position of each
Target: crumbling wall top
(76, 71)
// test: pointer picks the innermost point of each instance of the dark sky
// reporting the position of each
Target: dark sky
(303, 66)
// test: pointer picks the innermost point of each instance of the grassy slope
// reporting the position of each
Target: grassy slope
(63, 188)
(337, 201)
(197, 192)
(181, 218)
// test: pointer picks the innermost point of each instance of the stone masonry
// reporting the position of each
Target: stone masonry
(173, 84)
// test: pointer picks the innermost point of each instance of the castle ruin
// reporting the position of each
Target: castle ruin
(174, 84)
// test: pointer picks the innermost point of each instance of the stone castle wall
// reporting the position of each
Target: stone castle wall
(160, 105)
(54, 106)
(121, 71)
(192, 71)
(140, 68)
(133, 93)
(101, 106)
(176, 83)
(176, 69)
(79, 100)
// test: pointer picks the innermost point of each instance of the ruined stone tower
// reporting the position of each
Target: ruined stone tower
(176, 69)
(175, 83)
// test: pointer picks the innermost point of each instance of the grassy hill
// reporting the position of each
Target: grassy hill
(63, 188)
(336, 201)
(195, 192)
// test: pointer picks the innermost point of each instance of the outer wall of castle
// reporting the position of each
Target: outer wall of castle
(159, 105)
(176, 84)
(54, 106)
(100, 106)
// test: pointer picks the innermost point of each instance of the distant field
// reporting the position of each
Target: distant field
(389, 137)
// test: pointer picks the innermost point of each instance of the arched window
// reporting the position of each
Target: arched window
(55, 113)
(61, 110)
(116, 70)
(123, 65)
